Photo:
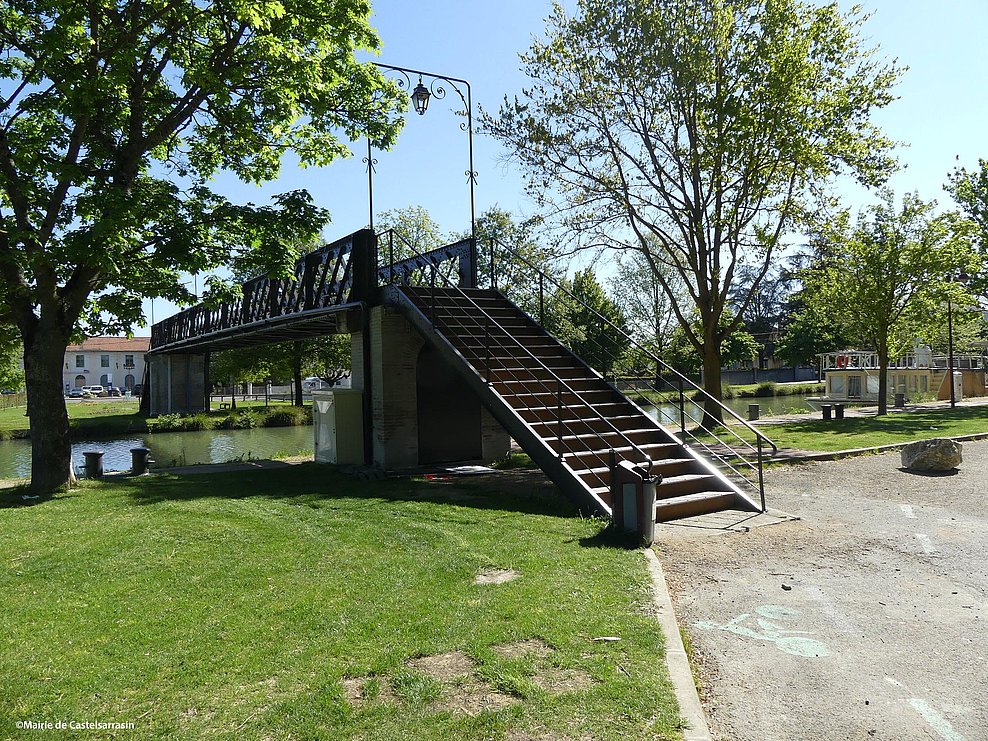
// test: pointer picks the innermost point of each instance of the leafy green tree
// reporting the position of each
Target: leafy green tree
(970, 190)
(647, 309)
(113, 118)
(417, 232)
(738, 346)
(888, 273)
(704, 126)
(599, 343)
(812, 331)
(517, 257)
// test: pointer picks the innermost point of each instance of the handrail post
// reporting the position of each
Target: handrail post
(491, 266)
(559, 416)
(541, 298)
(682, 409)
(432, 296)
(391, 254)
(487, 348)
(761, 473)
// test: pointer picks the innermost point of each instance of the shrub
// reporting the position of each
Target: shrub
(197, 422)
(165, 423)
(288, 417)
(766, 388)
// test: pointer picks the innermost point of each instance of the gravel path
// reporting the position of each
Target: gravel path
(865, 619)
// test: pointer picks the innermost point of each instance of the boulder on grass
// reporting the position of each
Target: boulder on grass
(938, 454)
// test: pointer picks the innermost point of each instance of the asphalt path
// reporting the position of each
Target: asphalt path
(863, 619)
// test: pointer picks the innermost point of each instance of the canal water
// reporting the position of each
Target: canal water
(172, 448)
(768, 406)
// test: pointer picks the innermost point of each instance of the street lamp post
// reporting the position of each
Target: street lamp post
(961, 278)
(420, 95)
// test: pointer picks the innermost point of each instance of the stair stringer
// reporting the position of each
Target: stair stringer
(544, 457)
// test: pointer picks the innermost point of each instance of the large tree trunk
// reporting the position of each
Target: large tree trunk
(51, 449)
(713, 413)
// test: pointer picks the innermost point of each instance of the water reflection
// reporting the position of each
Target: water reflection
(171, 448)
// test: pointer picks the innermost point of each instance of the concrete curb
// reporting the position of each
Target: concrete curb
(676, 660)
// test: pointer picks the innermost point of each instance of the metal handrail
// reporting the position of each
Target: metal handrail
(560, 383)
(760, 438)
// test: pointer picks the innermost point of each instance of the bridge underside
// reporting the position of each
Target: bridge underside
(314, 323)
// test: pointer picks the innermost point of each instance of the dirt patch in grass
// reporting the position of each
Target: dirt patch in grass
(471, 696)
(555, 680)
(360, 691)
(527, 647)
(495, 576)
(444, 667)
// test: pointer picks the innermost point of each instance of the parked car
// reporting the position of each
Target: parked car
(138, 389)
(95, 390)
(314, 383)
(77, 393)
(113, 391)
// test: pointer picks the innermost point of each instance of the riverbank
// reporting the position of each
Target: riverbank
(223, 604)
(105, 418)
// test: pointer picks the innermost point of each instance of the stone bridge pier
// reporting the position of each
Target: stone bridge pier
(179, 383)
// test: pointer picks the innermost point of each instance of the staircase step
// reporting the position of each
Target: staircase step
(674, 486)
(603, 439)
(601, 476)
(594, 458)
(596, 425)
(690, 505)
(547, 415)
(520, 383)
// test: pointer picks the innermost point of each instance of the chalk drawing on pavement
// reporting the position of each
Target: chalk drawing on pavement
(767, 619)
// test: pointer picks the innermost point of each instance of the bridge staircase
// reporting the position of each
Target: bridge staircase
(573, 422)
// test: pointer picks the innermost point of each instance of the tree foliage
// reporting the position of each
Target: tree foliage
(591, 323)
(702, 126)
(970, 190)
(889, 272)
(114, 115)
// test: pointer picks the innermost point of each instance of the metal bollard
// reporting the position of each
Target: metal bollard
(838, 411)
(825, 408)
(94, 464)
(753, 412)
(140, 461)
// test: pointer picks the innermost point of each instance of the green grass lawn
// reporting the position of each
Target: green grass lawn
(865, 432)
(298, 602)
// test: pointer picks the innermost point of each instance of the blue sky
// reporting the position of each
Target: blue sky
(942, 111)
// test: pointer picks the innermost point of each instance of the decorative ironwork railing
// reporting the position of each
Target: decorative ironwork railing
(418, 268)
(323, 278)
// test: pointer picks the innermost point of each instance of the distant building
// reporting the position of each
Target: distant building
(105, 361)
(853, 375)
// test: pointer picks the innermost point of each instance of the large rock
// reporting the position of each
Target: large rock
(938, 454)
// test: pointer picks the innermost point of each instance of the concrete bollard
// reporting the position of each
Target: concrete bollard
(94, 464)
(140, 461)
(753, 412)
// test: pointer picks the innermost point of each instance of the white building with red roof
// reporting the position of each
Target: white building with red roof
(105, 361)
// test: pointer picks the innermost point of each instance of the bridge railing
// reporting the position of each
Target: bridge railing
(731, 442)
(325, 277)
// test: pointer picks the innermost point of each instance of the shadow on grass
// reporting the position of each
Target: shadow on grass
(519, 490)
